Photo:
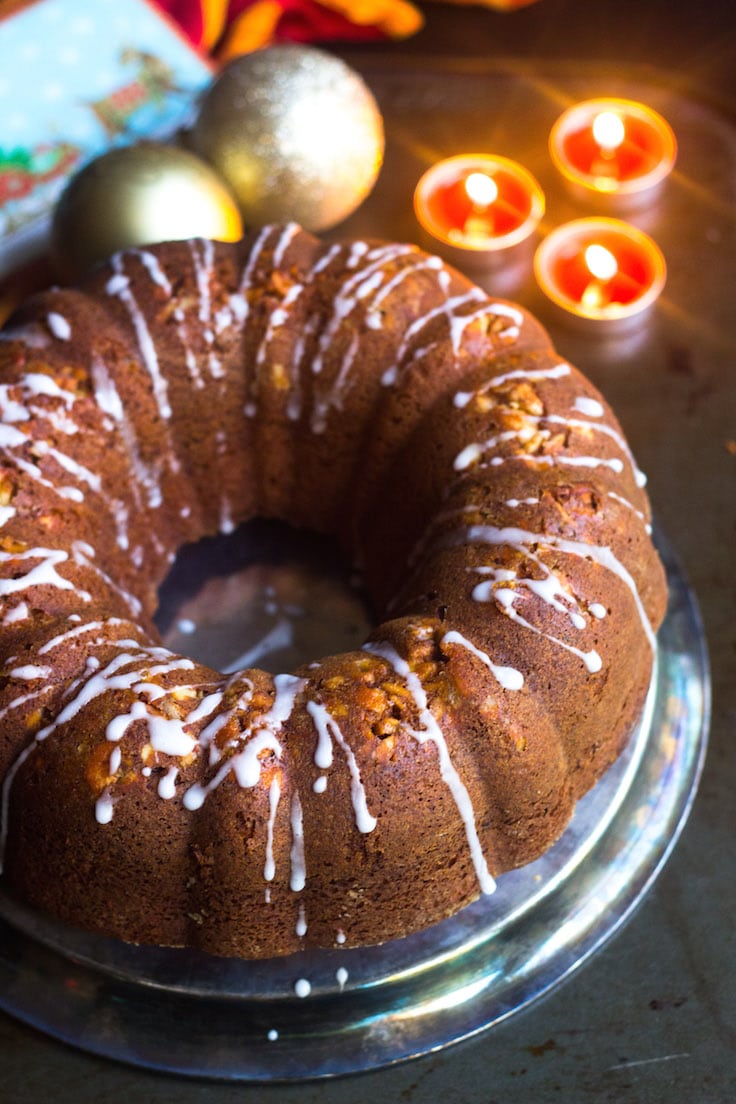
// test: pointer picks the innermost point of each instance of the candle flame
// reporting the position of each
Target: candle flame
(608, 130)
(601, 262)
(482, 189)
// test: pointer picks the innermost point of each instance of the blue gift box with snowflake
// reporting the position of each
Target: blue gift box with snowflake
(78, 78)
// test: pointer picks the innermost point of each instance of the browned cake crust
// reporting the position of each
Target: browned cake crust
(483, 485)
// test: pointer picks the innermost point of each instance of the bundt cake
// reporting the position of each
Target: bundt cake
(480, 482)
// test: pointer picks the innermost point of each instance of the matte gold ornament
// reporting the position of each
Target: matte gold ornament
(295, 132)
(136, 195)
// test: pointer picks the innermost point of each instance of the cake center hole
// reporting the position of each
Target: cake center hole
(265, 596)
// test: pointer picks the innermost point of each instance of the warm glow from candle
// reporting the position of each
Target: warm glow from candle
(476, 206)
(601, 271)
(601, 262)
(482, 189)
(614, 149)
(608, 131)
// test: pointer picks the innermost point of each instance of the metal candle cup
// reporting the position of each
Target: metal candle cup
(477, 207)
(615, 150)
(604, 273)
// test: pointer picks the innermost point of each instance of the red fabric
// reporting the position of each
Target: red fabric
(307, 21)
(302, 21)
(188, 14)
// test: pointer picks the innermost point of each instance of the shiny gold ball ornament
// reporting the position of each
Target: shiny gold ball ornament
(136, 195)
(295, 132)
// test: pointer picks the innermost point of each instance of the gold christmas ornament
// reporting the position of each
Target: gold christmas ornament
(295, 132)
(136, 195)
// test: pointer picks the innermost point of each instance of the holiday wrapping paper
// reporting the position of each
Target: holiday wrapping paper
(78, 78)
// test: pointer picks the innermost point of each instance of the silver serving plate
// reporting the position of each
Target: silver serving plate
(188, 1013)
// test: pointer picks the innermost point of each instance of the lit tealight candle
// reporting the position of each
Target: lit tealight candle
(613, 148)
(478, 206)
(601, 271)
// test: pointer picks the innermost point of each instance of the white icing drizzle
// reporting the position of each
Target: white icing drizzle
(33, 386)
(166, 734)
(298, 875)
(43, 574)
(83, 555)
(341, 976)
(562, 461)
(203, 266)
(352, 291)
(6, 513)
(166, 788)
(583, 405)
(340, 937)
(239, 300)
(260, 738)
(477, 450)
(333, 398)
(462, 398)
(30, 671)
(432, 264)
(119, 286)
(549, 589)
(301, 923)
(59, 326)
(151, 263)
(13, 411)
(272, 1035)
(509, 677)
(84, 475)
(226, 522)
(12, 438)
(277, 319)
(302, 987)
(521, 539)
(274, 794)
(19, 612)
(630, 506)
(590, 407)
(289, 232)
(38, 383)
(327, 731)
(608, 431)
(113, 677)
(432, 732)
(449, 310)
(24, 699)
(108, 399)
(505, 597)
(104, 807)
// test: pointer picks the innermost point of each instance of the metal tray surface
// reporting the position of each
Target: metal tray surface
(372, 1007)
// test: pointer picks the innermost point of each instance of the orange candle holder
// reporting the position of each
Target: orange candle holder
(615, 150)
(478, 207)
(603, 273)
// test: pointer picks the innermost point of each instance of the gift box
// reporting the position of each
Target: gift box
(76, 79)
